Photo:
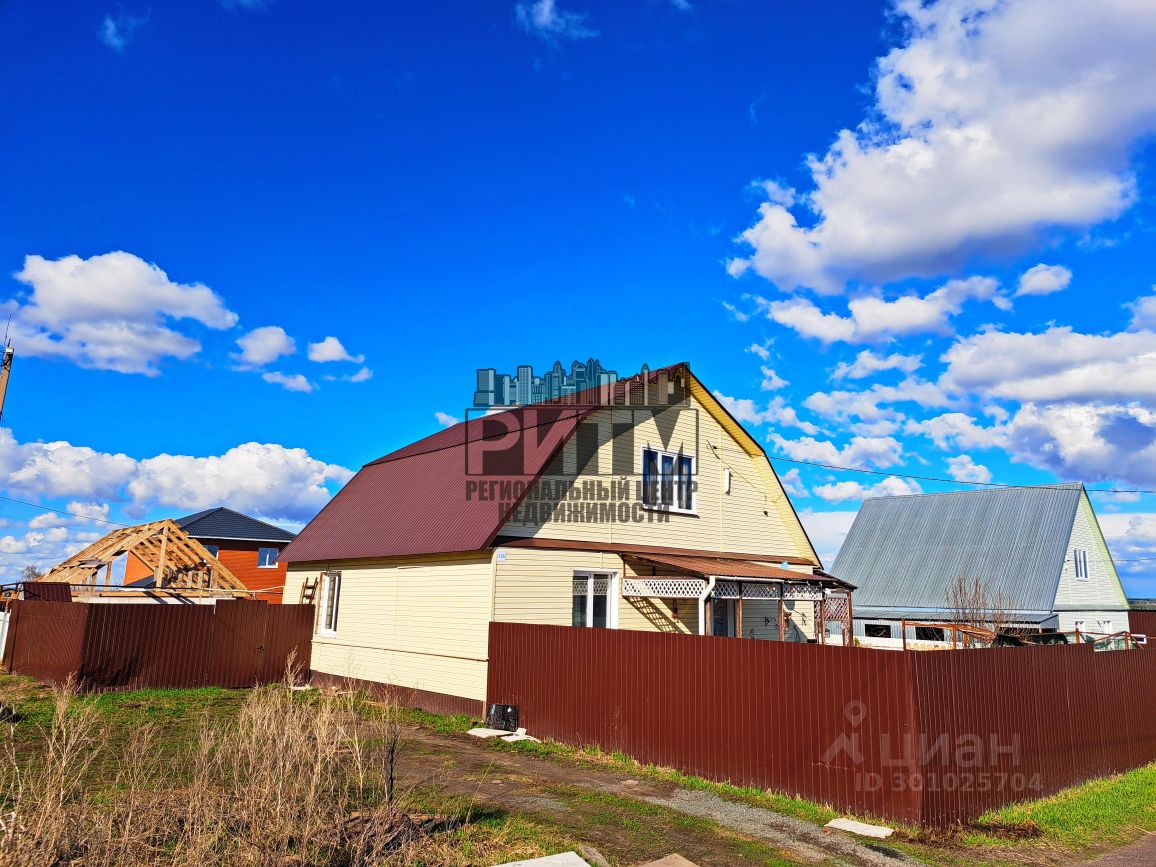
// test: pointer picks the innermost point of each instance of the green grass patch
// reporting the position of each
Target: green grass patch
(1109, 812)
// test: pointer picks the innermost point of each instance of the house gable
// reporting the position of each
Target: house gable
(739, 503)
(1101, 590)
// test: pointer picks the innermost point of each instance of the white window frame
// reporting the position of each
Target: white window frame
(612, 595)
(326, 624)
(1106, 627)
(272, 565)
(672, 507)
(1080, 626)
(1080, 560)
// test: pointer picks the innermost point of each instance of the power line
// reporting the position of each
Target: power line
(948, 481)
(63, 512)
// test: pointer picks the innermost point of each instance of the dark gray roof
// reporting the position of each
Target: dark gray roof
(905, 552)
(222, 523)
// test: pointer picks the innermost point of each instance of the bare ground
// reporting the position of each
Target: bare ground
(630, 820)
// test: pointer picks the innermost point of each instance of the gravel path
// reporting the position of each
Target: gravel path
(806, 839)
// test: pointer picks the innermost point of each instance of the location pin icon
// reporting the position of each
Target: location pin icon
(855, 711)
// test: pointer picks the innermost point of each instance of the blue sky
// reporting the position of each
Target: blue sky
(904, 239)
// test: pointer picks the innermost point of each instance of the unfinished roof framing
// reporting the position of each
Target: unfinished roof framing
(177, 561)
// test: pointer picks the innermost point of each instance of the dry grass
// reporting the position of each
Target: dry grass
(290, 779)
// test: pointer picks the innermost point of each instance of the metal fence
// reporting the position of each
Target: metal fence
(930, 738)
(133, 646)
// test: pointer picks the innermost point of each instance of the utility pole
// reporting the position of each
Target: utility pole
(5, 370)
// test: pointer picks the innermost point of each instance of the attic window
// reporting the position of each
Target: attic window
(667, 480)
(1080, 556)
(267, 558)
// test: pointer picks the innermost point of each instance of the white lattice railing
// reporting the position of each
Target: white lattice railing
(663, 588)
(750, 590)
(803, 591)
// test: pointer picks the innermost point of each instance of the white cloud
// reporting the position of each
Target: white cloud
(771, 380)
(762, 350)
(258, 478)
(827, 530)
(964, 469)
(1044, 280)
(876, 319)
(1144, 312)
(445, 419)
(41, 547)
(875, 404)
(289, 382)
(116, 31)
(860, 452)
(1056, 365)
(867, 363)
(363, 375)
(1131, 537)
(792, 483)
(995, 120)
(892, 486)
(1087, 442)
(77, 513)
(110, 312)
(331, 349)
(958, 430)
(777, 412)
(544, 19)
(264, 345)
(739, 315)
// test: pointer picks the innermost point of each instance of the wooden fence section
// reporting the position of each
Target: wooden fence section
(932, 738)
(133, 646)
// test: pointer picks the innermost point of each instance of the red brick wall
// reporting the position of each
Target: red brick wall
(240, 558)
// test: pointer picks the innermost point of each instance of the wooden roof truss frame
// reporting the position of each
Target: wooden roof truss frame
(177, 561)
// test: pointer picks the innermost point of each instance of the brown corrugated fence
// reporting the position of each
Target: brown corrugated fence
(933, 738)
(133, 646)
(1143, 623)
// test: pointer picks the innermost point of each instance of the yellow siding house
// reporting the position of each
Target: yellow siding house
(638, 505)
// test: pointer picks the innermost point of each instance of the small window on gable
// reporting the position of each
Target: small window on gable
(267, 557)
(1080, 558)
(667, 480)
(330, 602)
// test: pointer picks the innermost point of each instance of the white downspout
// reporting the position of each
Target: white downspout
(702, 603)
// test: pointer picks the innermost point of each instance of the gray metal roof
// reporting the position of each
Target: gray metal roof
(222, 523)
(905, 552)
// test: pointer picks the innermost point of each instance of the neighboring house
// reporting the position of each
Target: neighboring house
(1040, 549)
(659, 513)
(249, 548)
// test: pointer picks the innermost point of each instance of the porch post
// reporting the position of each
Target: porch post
(783, 616)
(739, 613)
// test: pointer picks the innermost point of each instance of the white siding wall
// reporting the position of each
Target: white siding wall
(1101, 597)
(412, 622)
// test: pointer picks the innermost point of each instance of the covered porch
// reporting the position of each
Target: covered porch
(745, 599)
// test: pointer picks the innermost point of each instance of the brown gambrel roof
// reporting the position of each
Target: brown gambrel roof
(448, 493)
(442, 494)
